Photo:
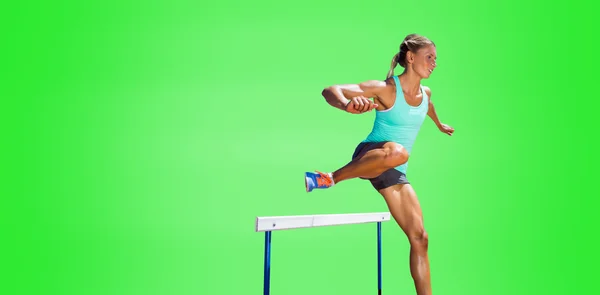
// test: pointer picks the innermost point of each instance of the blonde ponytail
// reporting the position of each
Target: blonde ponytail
(393, 65)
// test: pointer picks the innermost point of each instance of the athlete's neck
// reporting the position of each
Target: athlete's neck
(411, 82)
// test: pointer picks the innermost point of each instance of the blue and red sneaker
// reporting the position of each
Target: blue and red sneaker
(317, 180)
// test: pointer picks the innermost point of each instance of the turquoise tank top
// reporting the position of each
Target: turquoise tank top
(400, 123)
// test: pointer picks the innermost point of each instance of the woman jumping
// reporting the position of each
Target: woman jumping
(401, 104)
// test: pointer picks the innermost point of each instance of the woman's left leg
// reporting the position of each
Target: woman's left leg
(405, 208)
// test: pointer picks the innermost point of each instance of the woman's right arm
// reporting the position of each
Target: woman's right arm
(339, 96)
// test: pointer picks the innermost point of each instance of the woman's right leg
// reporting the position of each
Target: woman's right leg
(371, 162)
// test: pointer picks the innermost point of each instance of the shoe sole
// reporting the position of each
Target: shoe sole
(306, 183)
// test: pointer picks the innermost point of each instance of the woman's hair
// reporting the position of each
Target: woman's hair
(412, 42)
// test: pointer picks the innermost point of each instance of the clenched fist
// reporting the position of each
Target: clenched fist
(359, 105)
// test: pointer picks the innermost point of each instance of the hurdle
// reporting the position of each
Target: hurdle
(268, 224)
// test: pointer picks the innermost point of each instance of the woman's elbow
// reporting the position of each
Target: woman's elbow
(329, 92)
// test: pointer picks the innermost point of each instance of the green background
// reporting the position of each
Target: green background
(143, 139)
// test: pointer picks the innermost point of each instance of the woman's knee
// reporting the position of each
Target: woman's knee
(396, 155)
(419, 239)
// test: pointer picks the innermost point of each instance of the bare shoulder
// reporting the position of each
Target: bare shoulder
(386, 94)
(427, 90)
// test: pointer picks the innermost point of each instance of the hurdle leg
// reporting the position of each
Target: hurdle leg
(379, 258)
(267, 270)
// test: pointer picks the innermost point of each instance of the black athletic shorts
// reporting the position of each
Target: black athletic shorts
(386, 179)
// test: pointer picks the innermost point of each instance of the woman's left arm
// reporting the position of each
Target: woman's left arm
(433, 115)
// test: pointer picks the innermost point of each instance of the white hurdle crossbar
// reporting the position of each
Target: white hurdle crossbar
(273, 223)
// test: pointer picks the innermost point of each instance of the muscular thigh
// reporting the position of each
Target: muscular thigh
(365, 147)
(405, 208)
